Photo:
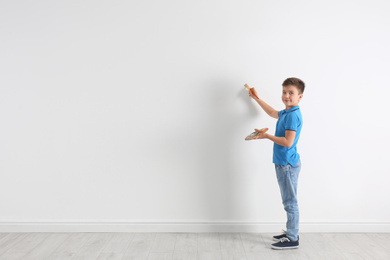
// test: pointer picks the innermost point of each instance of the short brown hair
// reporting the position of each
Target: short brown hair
(295, 82)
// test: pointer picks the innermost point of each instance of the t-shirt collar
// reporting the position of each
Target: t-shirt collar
(292, 109)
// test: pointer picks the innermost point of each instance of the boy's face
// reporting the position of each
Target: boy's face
(291, 96)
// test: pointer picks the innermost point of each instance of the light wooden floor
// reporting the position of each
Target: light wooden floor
(213, 246)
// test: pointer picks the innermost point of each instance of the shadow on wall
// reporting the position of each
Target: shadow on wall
(221, 137)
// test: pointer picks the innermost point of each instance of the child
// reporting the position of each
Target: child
(285, 157)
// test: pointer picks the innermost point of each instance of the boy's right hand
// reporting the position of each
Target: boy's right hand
(253, 93)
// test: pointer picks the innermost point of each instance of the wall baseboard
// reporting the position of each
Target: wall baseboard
(260, 227)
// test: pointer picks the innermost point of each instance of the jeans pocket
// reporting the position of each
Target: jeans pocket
(297, 165)
(294, 172)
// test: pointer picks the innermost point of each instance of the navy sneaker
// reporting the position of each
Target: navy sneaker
(286, 243)
(277, 238)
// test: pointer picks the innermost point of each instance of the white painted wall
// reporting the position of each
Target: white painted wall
(135, 111)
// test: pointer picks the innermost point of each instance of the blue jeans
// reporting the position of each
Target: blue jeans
(288, 183)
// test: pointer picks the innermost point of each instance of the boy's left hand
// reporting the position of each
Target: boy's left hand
(260, 135)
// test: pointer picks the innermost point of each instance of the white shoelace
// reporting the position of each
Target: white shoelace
(284, 239)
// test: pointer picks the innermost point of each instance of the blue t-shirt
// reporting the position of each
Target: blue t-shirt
(288, 120)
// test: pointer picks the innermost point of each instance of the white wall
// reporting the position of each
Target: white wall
(135, 111)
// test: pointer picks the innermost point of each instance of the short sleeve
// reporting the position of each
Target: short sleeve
(281, 112)
(291, 122)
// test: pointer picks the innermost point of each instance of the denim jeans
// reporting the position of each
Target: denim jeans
(288, 183)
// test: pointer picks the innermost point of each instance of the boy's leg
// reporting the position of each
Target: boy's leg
(288, 183)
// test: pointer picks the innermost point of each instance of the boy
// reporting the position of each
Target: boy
(285, 157)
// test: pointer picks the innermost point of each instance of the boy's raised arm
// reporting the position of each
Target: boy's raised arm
(267, 108)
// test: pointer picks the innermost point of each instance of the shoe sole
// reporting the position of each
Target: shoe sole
(284, 248)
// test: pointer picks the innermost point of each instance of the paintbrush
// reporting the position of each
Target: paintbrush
(251, 90)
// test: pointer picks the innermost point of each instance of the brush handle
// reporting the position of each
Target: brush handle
(251, 90)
